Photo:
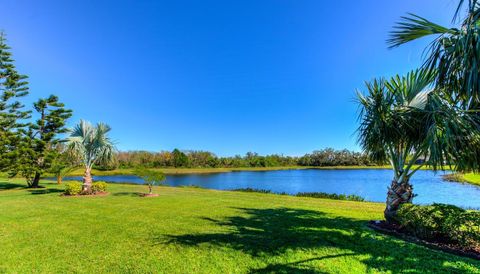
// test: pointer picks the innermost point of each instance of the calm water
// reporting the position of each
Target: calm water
(368, 183)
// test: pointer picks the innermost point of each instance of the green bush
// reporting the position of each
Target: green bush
(441, 222)
(331, 196)
(99, 187)
(249, 189)
(73, 188)
(307, 194)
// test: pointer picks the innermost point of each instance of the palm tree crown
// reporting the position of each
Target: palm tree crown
(454, 51)
(403, 119)
(92, 145)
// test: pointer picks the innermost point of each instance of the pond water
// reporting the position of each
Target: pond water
(368, 183)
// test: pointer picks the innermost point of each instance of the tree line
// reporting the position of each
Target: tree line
(206, 159)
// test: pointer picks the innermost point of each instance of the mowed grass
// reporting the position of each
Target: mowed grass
(472, 178)
(191, 230)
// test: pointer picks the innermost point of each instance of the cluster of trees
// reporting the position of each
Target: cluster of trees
(29, 137)
(431, 113)
(198, 159)
(332, 157)
(32, 140)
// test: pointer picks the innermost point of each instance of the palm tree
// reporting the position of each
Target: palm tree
(404, 119)
(454, 51)
(92, 146)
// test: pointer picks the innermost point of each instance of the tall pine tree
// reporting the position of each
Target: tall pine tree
(12, 86)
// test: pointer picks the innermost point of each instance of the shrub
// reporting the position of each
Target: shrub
(441, 222)
(99, 187)
(191, 186)
(73, 188)
(307, 194)
(331, 196)
(249, 189)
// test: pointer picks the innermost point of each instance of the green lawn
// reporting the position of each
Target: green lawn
(473, 178)
(191, 230)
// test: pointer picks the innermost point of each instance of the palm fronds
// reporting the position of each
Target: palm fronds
(91, 143)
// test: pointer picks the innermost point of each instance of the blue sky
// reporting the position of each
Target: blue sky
(224, 76)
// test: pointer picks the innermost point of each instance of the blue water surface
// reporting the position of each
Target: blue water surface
(368, 183)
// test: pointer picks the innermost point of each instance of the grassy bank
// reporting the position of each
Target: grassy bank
(190, 230)
(471, 178)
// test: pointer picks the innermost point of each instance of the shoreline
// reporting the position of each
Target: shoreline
(207, 170)
(174, 171)
(467, 178)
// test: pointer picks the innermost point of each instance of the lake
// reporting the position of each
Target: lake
(368, 183)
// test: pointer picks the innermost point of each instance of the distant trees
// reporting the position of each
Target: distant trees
(180, 159)
(92, 145)
(205, 159)
(331, 157)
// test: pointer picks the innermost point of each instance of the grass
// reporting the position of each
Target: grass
(192, 230)
(471, 178)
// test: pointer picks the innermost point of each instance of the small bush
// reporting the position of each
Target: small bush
(307, 194)
(441, 222)
(192, 186)
(73, 188)
(331, 196)
(99, 187)
(249, 189)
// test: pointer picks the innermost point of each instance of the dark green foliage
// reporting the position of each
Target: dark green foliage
(192, 186)
(73, 188)
(98, 187)
(333, 196)
(13, 86)
(249, 189)
(37, 148)
(180, 159)
(322, 195)
(441, 222)
(332, 157)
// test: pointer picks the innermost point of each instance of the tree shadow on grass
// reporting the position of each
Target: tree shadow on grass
(265, 233)
(40, 191)
(9, 185)
(129, 194)
(296, 266)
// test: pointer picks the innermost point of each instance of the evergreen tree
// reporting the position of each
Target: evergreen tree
(37, 149)
(12, 86)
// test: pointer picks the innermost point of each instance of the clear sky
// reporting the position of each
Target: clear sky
(225, 76)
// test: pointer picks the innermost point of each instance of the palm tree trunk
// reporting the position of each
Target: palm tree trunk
(59, 179)
(87, 180)
(398, 193)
